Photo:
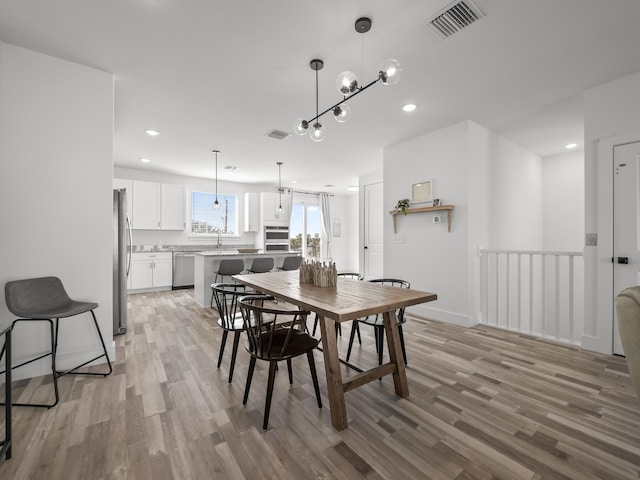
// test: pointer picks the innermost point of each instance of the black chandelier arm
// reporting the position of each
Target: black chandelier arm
(342, 101)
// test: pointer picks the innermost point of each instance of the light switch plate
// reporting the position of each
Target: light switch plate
(591, 240)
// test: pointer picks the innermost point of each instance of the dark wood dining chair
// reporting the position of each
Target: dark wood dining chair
(225, 296)
(274, 335)
(353, 276)
(377, 322)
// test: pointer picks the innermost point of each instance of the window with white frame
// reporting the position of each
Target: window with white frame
(206, 220)
(306, 229)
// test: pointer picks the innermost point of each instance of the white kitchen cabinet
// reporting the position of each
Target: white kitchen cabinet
(269, 203)
(121, 183)
(146, 205)
(158, 206)
(172, 207)
(251, 211)
(151, 270)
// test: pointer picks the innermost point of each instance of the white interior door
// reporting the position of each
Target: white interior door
(626, 224)
(373, 231)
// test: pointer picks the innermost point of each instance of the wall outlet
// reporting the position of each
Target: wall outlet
(437, 219)
(591, 240)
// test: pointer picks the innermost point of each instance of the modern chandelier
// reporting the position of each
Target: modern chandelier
(347, 85)
(216, 204)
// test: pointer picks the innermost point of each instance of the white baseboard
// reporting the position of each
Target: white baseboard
(63, 361)
(431, 313)
(589, 342)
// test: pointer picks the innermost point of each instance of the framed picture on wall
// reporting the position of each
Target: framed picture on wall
(422, 192)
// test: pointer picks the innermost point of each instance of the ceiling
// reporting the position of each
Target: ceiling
(214, 74)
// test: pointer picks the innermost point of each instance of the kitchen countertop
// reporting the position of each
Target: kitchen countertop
(221, 253)
(187, 248)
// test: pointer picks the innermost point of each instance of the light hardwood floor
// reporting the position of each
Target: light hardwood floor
(483, 404)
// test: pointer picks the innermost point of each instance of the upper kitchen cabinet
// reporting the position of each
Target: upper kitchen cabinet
(269, 203)
(158, 206)
(146, 205)
(251, 211)
(172, 207)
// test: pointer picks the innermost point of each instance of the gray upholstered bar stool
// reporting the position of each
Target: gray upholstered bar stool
(261, 265)
(45, 300)
(291, 263)
(227, 267)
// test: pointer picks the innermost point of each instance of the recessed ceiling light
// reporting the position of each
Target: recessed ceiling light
(409, 107)
(571, 145)
(294, 181)
(151, 132)
(352, 188)
(328, 185)
(145, 160)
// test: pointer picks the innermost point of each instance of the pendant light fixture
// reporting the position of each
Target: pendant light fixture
(280, 186)
(347, 85)
(216, 204)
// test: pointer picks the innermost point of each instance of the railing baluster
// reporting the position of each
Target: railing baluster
(556, 320)
(571, 296)
(519, 302)
(530, 293)
(506, 289)
(497, 288)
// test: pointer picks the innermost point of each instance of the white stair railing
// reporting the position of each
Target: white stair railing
(534, 292)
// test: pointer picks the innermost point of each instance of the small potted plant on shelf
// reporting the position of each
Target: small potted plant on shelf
(402, 205)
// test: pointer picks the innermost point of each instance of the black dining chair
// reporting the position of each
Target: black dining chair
(377, 322)
(44, 299)
(225, 296)
(353, 276)
(274, 335)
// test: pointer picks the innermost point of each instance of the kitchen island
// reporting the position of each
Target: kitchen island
(206, 264)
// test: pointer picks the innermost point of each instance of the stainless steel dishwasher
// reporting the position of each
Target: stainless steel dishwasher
(183, 276)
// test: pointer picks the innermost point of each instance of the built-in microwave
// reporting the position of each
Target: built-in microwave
(276, 239)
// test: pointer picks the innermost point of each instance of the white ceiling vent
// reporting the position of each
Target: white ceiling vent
(455, 17)
(278, 134)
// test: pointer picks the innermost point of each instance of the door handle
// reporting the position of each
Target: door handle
(623, 260)
(366, 248)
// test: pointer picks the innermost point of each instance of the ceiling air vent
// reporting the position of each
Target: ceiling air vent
(278, 134)
(454, 18)
(230, 168)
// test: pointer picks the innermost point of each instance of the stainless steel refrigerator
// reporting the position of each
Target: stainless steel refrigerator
(122, 247)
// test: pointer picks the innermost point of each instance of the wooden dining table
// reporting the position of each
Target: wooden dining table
(349, 300)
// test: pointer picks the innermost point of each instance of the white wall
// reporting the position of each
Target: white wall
(563, 202)
(422, 252)
(495, 187)
(611, 110)
(56, 200)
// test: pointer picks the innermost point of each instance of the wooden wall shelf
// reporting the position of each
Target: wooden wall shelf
(439, 208)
